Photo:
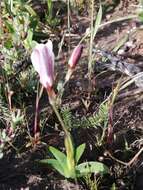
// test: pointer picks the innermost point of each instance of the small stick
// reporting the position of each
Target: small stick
(128, 164)
(130, 93)
(119, 161)
(135, 157)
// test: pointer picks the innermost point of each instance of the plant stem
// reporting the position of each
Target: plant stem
(59, 118)
(36, 120)
(68, 7)
(68, 140)
(91, 42)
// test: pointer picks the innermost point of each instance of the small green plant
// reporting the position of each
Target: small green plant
(66, 165)
(92, 183)
(51, 20)
(97, 120)
(19, 22)
(70, 170)
(61, 163)
(19, 19)
(10, 120)
(100, 119)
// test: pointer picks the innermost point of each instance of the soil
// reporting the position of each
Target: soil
(21, 170)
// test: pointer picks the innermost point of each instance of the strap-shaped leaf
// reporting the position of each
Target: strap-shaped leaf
(91, 167)
(55, 164)
(79, 151)
(61, 157)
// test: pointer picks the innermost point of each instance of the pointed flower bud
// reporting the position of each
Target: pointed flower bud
(76, 54)
(42, 59)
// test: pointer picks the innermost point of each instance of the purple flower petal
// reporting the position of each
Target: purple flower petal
(43, 61)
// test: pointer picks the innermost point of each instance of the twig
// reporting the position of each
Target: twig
(117, 160)
(130, 93)
(128, 164)
(135, 157)
(110, 22)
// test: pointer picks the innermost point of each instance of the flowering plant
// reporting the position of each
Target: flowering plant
(43, 61)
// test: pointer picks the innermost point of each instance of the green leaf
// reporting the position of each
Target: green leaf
(9, 27)
(8, 44)
(58, 154)
(98, 21)
(79, 151)
(91, 167)
(28, 40)
(30, 10)
(50, 8)
(55, 164)
(9, 6)
(61, 157)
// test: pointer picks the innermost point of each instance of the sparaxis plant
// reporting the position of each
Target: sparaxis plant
(43, 61)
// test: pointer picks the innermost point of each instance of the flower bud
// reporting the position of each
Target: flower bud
(76, 54)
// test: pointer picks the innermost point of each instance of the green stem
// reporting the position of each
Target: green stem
(59, 118)
(68, 140)
(102, 137)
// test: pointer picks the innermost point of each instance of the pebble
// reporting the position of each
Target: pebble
(121, 52)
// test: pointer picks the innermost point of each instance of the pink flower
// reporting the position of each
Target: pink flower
(76, 54)
(42, 59)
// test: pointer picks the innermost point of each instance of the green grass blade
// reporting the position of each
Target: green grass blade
(98, 21)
